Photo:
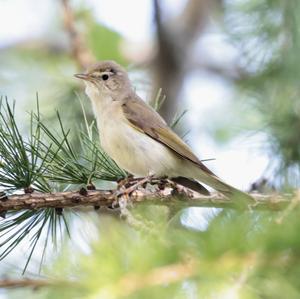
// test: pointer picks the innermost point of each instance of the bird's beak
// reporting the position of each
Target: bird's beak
(82, 76)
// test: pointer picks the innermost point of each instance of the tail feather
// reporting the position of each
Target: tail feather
(191, 184)
(222, 187)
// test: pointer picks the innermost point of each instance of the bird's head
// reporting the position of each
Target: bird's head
(105, 78)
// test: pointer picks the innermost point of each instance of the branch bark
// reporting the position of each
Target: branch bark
(106, 198)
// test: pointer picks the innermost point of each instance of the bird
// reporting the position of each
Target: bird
(138, 139)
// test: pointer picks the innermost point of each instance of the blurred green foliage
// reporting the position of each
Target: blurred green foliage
(267, 34)
(105, 43)
(240, 255)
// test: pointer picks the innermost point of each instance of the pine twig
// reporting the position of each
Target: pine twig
(21, 283)
(106, 198)
(131, 283)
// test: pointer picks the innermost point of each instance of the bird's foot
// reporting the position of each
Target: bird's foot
(132, 184)
(125, 182)
(125, 188)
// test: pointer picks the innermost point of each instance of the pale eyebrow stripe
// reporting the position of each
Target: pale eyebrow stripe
(97, 73)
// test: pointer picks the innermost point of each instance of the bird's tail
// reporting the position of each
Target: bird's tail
(191, 184)
(222, 187)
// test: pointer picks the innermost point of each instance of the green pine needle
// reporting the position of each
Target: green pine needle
(45, 159)
(20, 167)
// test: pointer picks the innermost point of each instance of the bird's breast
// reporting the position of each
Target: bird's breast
(131, 148)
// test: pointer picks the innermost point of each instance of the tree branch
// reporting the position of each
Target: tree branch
(165, 197)
(80, 52)
(175, 39)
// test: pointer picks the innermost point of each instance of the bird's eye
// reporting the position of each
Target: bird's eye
(104, 77)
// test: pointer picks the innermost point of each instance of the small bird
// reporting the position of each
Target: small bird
(137, 138)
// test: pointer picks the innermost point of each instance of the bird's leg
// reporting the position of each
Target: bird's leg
(132, 187)
(130, 180)
(126, 187)
(164, 182)
(125, 181)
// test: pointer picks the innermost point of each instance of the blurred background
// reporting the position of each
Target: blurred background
(231, 65)
(228, 68)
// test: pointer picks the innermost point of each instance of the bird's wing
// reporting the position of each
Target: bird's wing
(146, 119)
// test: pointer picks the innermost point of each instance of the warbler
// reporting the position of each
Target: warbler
(137, 138)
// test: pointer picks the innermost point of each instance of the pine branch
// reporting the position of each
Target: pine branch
(131, 283)
(106, 198)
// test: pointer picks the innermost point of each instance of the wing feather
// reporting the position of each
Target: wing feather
(146, 119)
